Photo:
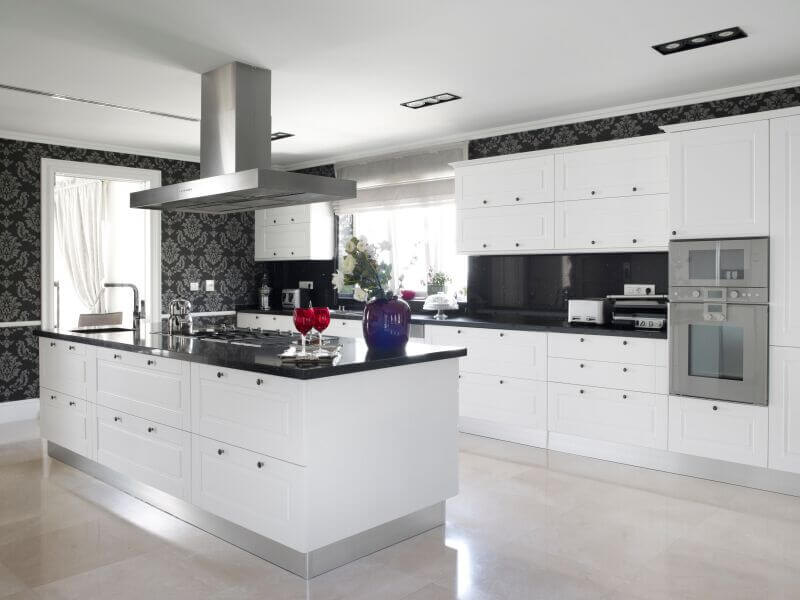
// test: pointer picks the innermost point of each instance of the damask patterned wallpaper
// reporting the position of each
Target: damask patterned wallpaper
(632, 125)
(193, 247)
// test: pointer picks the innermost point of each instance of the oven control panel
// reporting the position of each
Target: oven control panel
(719, 294)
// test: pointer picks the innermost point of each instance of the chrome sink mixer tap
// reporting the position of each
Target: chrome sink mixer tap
(138, 309)
(180, 317)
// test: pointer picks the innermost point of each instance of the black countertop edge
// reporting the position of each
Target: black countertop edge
(355, 356)
(524, 324)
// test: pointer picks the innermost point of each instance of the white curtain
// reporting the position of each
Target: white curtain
(80, 215)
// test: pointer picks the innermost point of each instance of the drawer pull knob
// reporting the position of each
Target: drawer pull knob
(485, 201)
(581, 391)
(502, 334)
(71, 403)
(117, 356)
(151, 429)
(624, 369)
(674, 232)
(633, 188)
(259, 382)
(582, 340)
(714, 407)
(517, 199)
(151, 362)
(502, 382)
(459, 331)
(52, 344)
(624, 342)
(634, 240)
(72, 347)
(516, 244)
(484, 245)
(593, 242)
(117, 419)
(581, 365)
(220, 451)
(260, 464)
(52, 397)
(624, 396)
(219, 374)
(593, 192)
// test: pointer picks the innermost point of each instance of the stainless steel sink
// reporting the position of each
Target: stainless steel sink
(100, 330)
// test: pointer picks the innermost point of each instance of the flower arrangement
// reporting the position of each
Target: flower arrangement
(361, 268)
(437, 280)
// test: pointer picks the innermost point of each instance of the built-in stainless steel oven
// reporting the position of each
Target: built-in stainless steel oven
(719, 319)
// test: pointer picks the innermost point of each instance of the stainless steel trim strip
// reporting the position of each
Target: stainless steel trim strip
(306, 565)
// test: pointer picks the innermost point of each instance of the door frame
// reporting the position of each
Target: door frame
(52, 167)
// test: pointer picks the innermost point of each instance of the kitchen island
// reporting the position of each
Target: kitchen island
(307, 467)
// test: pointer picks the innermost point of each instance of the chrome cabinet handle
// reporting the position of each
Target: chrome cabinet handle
(581, 391)
(219, 374)
(624, 396)
(220, 451)
(581, 365)
(714, 407)
(151, 429)
(151, 362)
(52, 397)
(259, 382)
(582, 340)
(624, 369)
(118, 356)
(52, 344)
(71, 347)
(117, 419)
(260, 464)
(502, 382)
(71, 403)
(624, 342)
(633, 188)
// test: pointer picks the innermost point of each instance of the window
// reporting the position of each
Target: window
(421, 237)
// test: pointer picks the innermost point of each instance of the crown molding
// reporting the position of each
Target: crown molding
(615, 111)
(86, 145)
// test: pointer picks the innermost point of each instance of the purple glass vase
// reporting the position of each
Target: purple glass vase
(386, 323)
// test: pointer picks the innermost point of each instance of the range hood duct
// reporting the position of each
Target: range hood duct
(235, 154)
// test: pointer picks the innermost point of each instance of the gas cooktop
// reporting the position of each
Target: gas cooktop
(237, 335)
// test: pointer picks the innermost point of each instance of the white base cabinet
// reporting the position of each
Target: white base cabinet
(265, 321)
(67, 421)
(721, 430)
(784, 409)
(63, 366)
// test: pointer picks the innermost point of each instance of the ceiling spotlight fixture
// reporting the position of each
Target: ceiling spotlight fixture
(700, 41)
(280, 135)
(431, 100)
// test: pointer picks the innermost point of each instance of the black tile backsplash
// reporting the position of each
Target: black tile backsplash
(542, 284)
(287, 274)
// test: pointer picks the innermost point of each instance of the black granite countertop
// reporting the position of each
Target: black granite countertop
(354, 357)
(516, 322)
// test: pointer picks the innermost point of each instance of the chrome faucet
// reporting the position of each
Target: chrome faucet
(180, 317)
(138, 313)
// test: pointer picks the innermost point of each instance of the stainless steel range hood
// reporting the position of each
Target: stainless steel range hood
(235, 155)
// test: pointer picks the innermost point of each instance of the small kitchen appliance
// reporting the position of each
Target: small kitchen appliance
(719, 319)
(639, 311)
(295, 298)
(588, 310)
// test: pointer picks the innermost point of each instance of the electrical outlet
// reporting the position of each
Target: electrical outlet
(639, 289)
(209, 285)
(306, 285)
(194, 286)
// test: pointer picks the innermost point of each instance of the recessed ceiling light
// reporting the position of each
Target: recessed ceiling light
(699, 41)
(280, 135)
(431, 100)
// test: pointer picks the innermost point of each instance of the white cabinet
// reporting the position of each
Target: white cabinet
(610, 348)
(257, 492)
(345, 328)
(65, 420)
(145, 385)
(259, 412)
(784, 241)
(719, 181)
(720, 430)
(265, 321)
(505, 183)
(626, 376)
(784, 409)
(618, 416)
(155, 454)
(505, 229)
(63, 366)
(626, 222)
(302, 232)
(609, 172)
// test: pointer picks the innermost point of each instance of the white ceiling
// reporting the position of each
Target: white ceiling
(340, 69)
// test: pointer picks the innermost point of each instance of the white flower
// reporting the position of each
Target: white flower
(385, 245)
(350, 246)
(337, 279)
(362, 238)
(361, 246)
(348, 264)
(359, 294)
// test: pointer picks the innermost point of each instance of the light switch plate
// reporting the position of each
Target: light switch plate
(639, 289)
(209, 285)
(194, 286)
(306, 285)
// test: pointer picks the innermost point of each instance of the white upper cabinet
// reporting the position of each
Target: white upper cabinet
(719, 181)
(785, 231)
(506, 183)
(611, 172)
(303, 232)
(505, 229)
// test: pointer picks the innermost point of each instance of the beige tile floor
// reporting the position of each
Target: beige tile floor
(527, 524)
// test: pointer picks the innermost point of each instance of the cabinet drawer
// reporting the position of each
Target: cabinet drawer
(519, 354)
(345, 328)
(617, 416)
(146, 451)
(62, 366)
(623, 376)
(258, 412)
(63, 420)
(721, 430)
(144, 385)
(284, 215)
(265, 321)
(505, 400)
(505, 229)
(608, 348)
(506, 183)
(260, 493)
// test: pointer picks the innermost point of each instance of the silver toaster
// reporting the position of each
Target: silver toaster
(589, 310)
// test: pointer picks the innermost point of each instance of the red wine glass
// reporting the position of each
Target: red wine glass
(322, 318)
(303, 321)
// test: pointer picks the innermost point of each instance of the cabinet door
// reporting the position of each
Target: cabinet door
(506, 183)
(63, 421)
(610, 348)
(505, 230)
(155, 454)
(611, 415)
(260, 493)
(721, 430)
(625, 376)
(265, 321)
(631, 169)
(283, 242)
(784, 409)
(630, 222)
(147, 386)
(784, 240)
(505, 400)
(719, 181)
(346, 328)
(284, 215)
(62, 366)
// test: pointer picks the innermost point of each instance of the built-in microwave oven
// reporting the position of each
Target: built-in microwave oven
(719, 319)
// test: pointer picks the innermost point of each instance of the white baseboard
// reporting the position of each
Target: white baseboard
(499, 431)
(19, 410)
